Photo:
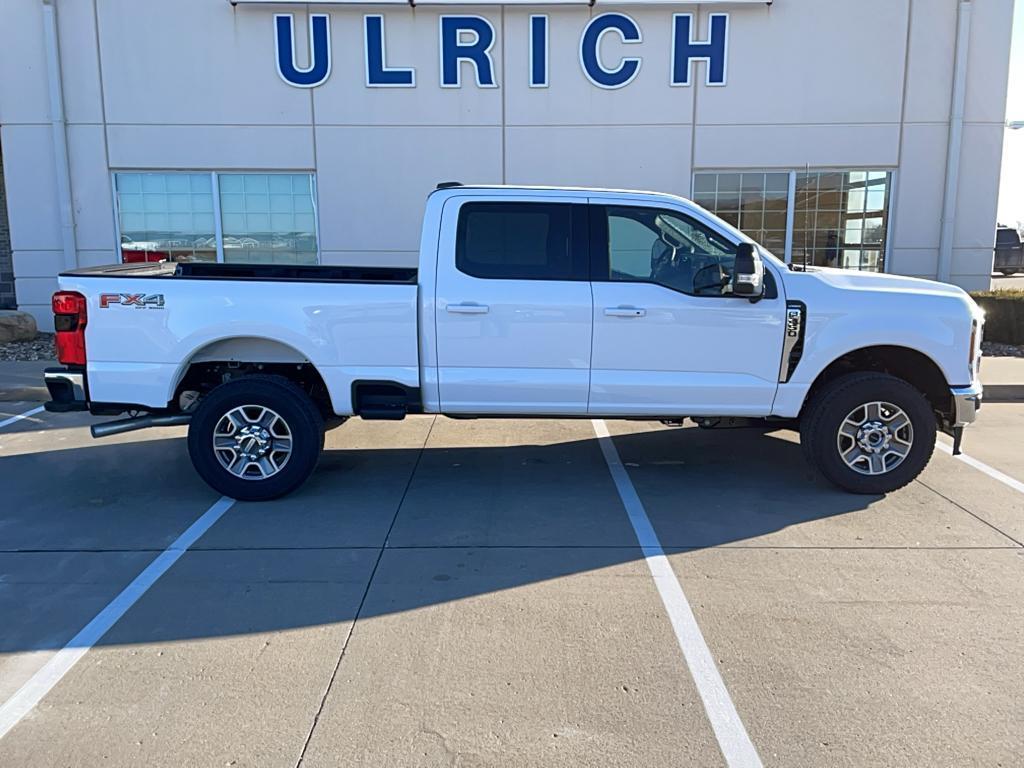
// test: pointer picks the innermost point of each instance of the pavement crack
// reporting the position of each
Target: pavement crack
(362, 601)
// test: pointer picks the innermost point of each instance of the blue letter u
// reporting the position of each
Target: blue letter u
(319, 68)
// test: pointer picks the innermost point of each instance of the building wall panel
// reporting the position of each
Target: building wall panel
(636, 157)
(374, 180)
(195, 62)
(809, 61)
(211, 147)
(796, 146)
(917, 208)
(23, 94)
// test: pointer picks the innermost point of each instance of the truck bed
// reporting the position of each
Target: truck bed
(204, 270)
(147, 323)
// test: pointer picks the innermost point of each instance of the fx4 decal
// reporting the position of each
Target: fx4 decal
(137, 300)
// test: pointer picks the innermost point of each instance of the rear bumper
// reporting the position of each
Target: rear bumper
(67, 390)
(966, 404)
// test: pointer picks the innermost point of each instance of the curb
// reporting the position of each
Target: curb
(1003, 393)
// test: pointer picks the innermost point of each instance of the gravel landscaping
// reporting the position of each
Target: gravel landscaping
(40, 348)
(995, 349)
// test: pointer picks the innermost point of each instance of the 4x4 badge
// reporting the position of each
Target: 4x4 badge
(137, 300)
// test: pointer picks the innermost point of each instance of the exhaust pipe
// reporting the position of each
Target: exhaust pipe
(139, 422)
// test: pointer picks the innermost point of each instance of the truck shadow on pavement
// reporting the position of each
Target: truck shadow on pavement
(459, 523)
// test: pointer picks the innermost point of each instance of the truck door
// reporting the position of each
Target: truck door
(513, 306)
(670, 338)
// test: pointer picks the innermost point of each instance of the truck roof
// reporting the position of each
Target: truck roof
(455, 187)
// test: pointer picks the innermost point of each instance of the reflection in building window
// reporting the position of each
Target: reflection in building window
(268, 218)
(166, 216)
(839, 217)
(264, 217)
(754, 202)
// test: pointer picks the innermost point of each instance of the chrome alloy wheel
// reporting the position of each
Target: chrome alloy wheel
(252, 442)
(875, 438)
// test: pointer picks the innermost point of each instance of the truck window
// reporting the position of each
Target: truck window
(664, 247)
(1007, 237)
(520, 241)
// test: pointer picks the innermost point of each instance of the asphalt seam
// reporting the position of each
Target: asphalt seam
(972, 514)
(366, 591)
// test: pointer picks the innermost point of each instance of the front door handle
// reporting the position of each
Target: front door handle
(625, 312)
(468, 309)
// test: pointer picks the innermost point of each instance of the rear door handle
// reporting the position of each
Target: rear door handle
(468, 309)
(625, 312)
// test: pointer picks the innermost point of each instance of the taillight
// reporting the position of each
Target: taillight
(69, 318)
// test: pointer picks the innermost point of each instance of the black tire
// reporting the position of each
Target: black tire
(293, 406)
(830, 406)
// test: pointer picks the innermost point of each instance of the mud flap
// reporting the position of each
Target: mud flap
(958, 437)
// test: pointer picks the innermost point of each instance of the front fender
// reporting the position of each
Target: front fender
(831, 337)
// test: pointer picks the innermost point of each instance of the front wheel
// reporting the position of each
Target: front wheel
(868, 432)
(256, 438)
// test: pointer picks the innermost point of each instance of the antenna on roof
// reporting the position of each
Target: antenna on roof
(449, 184)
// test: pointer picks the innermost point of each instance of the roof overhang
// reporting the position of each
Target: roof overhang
(501, 2)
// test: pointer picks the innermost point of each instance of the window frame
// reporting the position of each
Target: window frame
(218, 223)
(600, 256)
(787, 256)
(579, 238)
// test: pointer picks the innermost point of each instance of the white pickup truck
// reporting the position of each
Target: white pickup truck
(527, 302)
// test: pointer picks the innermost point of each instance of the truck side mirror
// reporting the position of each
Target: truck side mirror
(748, 272)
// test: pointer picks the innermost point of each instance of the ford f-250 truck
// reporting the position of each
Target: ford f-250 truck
(527, 302)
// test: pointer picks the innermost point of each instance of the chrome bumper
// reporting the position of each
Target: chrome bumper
(966, 403)
(67, 390)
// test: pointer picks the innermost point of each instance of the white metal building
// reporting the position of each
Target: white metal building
(857, 133)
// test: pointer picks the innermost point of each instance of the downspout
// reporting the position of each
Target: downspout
(956, 133)
(60, 137)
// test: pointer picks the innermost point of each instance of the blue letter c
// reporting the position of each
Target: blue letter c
(590, 58)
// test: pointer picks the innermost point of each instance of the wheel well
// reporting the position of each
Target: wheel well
(202, 377)
(913, 367)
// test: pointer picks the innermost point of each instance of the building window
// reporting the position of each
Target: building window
(166, 216)
(268, 218)
(265, 218)
(756, 203)
(839, 218)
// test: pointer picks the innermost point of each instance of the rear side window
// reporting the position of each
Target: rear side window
(522, 241)
(1007, 237)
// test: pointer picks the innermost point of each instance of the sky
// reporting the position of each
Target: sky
(1011, 187)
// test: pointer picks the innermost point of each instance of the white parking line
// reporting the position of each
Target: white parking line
(32, 692)
(20, 416)
(732, 736)
(981, 466)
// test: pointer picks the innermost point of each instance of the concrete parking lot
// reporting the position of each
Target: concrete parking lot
(473, 593)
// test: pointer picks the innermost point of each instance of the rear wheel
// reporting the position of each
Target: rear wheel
(868, 432)
(256, 438)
